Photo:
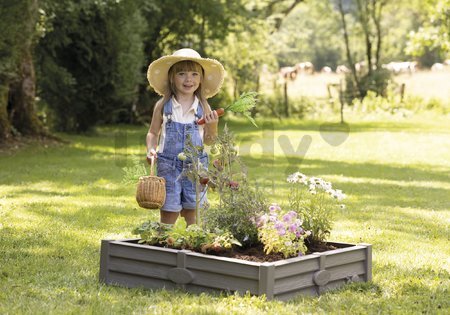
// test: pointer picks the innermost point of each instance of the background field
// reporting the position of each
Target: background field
(426, 84)
(58, 202)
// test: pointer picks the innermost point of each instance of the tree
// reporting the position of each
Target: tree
(306, 36)
(434, 34)
(173, 24)
(90, 61)
(17, 78)
(368, 13)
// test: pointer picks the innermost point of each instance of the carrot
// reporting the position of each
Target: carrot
(220, 112)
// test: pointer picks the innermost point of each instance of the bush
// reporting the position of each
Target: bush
(394, 106)
(377, 81)
(239, 204)
(236, 213)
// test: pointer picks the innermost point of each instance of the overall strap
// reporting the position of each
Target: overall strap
(199, 112)
(168, 110)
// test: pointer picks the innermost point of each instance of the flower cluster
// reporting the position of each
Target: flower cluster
(281, 232)
(314, 199)
(316, 184)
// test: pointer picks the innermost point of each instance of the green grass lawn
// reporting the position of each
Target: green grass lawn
(58, 202)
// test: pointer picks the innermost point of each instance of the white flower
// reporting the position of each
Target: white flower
(296, 177)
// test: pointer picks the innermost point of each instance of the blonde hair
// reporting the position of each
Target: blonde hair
(182, 66)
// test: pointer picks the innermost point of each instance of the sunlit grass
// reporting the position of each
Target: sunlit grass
(57, 204)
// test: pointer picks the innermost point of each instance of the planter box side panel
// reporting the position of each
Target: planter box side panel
(223, 266)
(321, 272)
(345, 256)
(136, 281)
(143, 253)
(139, 268)
(294, 283)
(347, 271)
(296, 266)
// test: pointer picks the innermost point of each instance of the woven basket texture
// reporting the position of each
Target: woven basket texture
(151, 192)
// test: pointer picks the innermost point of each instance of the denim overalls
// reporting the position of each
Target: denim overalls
(180, 191)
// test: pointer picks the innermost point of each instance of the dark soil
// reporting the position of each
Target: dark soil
(256, 253)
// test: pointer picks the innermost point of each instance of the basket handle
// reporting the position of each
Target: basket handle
(152, 165)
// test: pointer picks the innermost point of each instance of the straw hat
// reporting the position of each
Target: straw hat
(158, 70)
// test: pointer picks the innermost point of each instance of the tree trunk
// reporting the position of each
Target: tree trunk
(347, 48)
(20, 94)
(376, 17)
(5, 126)
(365, 24)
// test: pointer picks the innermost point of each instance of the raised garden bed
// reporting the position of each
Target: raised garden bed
(127, 263)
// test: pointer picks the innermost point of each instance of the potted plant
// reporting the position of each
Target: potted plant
(241, 243)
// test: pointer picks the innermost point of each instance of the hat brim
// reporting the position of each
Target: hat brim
(158, 72)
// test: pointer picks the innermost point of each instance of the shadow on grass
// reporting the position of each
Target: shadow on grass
(281, 167)
(398, 192)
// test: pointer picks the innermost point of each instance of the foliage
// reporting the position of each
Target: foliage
(434, 34)
(194, 171)
(314, 200)
(18, 114)
(244, 51)
(282, 232)
(12, 37)
(392, 105)
(89, 60)
(306, 36)
(133, 172)
(376, 81)
(182, 236)
(243, 105)
(239, 203)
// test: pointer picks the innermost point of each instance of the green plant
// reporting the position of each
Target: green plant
(239, 203)
(314, 199)
(133, 172)
(182, 236)
(243, 105)
(282, 232)
(195, 171)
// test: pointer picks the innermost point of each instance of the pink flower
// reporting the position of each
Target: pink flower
(281, 232)
(260, 221)
(293, 228)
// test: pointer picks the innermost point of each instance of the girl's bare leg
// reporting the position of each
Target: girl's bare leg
(188, 215)
(168, 217)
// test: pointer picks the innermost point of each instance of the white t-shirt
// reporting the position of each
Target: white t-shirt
(177, 116)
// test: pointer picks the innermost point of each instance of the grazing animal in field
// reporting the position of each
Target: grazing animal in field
(401, 66)
(437, 67)
(288, 73)
(305, 67)
(342, 69)
(326, 69)
(360, 66)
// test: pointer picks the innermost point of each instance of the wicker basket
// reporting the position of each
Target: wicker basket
(151, 190)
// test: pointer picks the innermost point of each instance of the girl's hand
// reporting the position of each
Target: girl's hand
(151, 154)
(212, 117)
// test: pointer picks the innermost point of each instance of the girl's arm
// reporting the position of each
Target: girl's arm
(210, 129)
(154, 130)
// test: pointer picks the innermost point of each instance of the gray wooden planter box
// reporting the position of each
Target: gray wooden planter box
(127, 263)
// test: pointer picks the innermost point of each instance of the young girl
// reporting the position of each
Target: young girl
(185, 80)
